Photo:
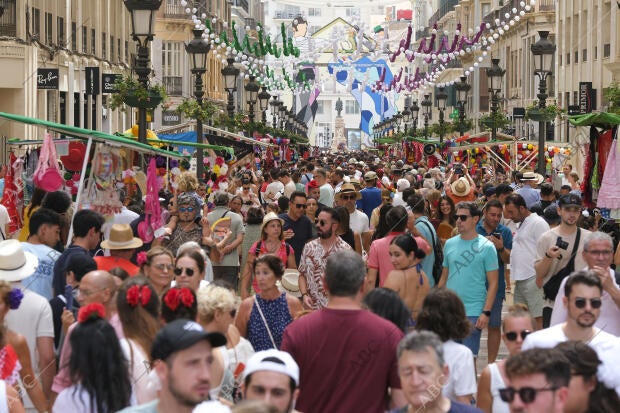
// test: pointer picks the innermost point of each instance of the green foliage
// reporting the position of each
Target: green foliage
(546, 114)
(130, 92)
(486, 121)
(612, 94)
(190, 108)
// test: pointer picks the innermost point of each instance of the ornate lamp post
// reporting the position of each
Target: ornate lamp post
(263, 103)
(142, 31)
(275, 108)
(230, 73)
(495, 75)
(462, 88)
(426, 105)
(198, 49)
(415, 110)
(406, 117)
(442, 98)
(543, 51)
(252, 89)
(398, 120)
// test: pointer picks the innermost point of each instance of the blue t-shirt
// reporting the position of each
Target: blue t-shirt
(468, 262)
(41, 280)
(428, 232)
(371, 198)
(506, 234)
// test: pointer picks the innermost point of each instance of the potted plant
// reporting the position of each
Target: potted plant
(499, 120)
(132, 93)
(190, 108)
(546, 114)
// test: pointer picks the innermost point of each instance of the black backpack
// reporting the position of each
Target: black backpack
(438, 250)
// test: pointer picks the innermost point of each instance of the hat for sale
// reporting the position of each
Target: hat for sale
(181, 334)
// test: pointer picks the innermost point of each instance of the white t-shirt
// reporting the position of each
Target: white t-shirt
(462, 377)
(139, 367)
(398, 200)
(327, 195)
(5, 219)
(554, 335)
(289, 188)
(609, 318)
(524, 244)
(274, 191)
(32, 319)
(358, 221)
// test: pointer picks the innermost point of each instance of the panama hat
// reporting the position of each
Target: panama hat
(348, 189)
(268, 218)
(460, 187)
(15, 263)
(290, 283)
(532, 176)
(121, 238)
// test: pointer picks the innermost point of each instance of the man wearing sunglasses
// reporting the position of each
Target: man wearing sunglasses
(582, 300)
(538, 381)
(297, 226)
(598, 254)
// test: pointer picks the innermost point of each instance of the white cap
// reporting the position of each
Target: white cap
(273, 360)
(402, 184)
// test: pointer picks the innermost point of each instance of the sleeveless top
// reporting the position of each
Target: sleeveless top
(9, 365)
(497, 382)
(278, 318)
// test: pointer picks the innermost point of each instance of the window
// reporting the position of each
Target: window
(60, 34)
(49, 29)
(111, 48)
(352, 12)
(74, 36)
(576, 56)
(575, 98)
(560, 60)
(84, 39)
(595, 52)
(93, 41)
(584, 55)
(126, 51)
(351, 107)
(118, 45)
(103, 46)
(486, 9)
(606, 50)
(314, 12)
(173, 54)
(568, 58)
(320, 107)
(36, 22)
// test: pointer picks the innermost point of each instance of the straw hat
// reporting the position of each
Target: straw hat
(347, 189)
(533, 176)
(460, 187)
(268, 218)
(15, 263)
(121, 238)
(290, 283)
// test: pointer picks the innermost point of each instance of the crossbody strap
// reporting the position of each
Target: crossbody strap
(574, 252)
(431, 231)
(260, 311)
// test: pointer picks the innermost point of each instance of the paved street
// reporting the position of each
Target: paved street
(503, 352)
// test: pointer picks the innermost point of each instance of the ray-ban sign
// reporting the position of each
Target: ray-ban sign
(47, 79)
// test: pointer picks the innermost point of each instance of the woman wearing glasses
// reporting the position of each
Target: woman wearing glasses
(186, 228)
(158, 268)
(249, 199)
(518, 323)
(189, 269)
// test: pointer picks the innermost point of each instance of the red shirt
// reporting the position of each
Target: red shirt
(347, 360)
(107, 263)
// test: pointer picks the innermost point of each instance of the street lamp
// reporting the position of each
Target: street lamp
(252, 89)
(495, 75)
(426, 104)
(543, 51)
(230, 73)
(462, 88)
(398, 119)
(142, 28)
(263, 102)
(198, 49)
(275, 107)
(415, 110)
(442, 98)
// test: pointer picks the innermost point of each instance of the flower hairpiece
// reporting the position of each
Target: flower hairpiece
(91, 312)
(15, 298)
(176, 296)
(138, 295)
(141, 258)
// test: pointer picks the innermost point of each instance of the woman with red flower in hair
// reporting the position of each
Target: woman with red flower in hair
(178, 302)
(15, 360)
(97, 367)
(137, 304)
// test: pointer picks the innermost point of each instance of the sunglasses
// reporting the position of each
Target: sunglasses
(299, 206)
(188, 271)
(233, 312)
(246, 189)
(323, 223)
(462, 217)
(347, 197)
(512, 335)
(594, 302)
(186, 209)
(162, 267)
(526, 394)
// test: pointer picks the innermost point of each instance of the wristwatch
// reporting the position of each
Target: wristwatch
(487, 313)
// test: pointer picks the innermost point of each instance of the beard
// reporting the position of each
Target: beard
(182, 397)
(325, 234)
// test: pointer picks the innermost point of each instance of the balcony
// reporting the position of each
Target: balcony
(8, 21)
(546, 5)
(285, 15)
(445, 7)
(174, 11)
(173, 85)
(243, 4)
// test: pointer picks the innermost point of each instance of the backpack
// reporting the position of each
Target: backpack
(259, 246)
(438, 250)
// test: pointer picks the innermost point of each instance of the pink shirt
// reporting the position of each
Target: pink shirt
(379, 255)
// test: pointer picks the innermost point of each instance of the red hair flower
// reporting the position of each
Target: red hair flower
(187, 298)
(91, 312)
(141, 258)
(171, 299)
(138, 295)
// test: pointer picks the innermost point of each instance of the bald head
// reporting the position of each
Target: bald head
(97, 287)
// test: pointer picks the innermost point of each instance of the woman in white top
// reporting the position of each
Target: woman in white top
(138, 309)
(518, 323)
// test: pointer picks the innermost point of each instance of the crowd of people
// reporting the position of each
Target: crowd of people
(331, 284)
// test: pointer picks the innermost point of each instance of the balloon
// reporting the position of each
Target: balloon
(530, 146)
(556, 150)
(519, 156)
(524, 146)
(562, 150)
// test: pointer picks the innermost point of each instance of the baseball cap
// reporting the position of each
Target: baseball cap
(182, 334)
(273, 360)
(370, 175)
(570, 200)
(402, 184)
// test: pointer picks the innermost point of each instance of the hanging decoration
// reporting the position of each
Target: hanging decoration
(104, 175)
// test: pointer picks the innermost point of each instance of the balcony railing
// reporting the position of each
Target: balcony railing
(444, 8)
(173, 85)
(241, 3)
(8, 21)
(546, 5)
(173, 10)
(282, 14)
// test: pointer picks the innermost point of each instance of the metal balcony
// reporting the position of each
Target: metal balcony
(8, 21)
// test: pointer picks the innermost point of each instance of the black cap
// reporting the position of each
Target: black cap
(570, 200)
(490, 191)
(182, 334)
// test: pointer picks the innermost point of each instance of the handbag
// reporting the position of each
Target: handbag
(47, 175)
(552, 286)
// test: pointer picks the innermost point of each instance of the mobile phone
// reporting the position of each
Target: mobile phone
(497, 235)
(69, 297)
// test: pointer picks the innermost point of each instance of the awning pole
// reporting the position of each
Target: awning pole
(78, 197)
